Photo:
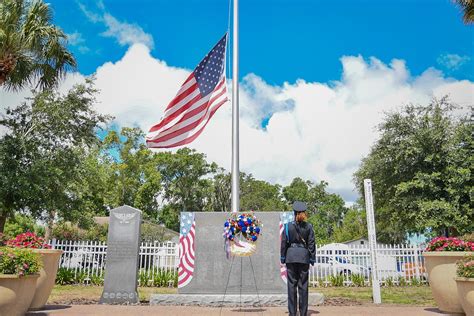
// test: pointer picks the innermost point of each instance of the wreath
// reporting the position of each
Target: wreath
(241, 232)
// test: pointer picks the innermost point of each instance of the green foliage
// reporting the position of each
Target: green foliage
(421, 170)
(42, 152)
(21, 223)
(354, 225)
(388, 281)
(357, 280)
(465, 267)
(96, 232)
(66, 231)
(19, 261)
(97, 279)
(163, 278)
(402, 281)
(336, 280)
(326, 210)
(259, 195)
(65, 276)
(152, 232)
(31, 47)
(415, 282)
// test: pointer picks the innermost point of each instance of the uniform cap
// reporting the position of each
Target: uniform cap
(299, 206)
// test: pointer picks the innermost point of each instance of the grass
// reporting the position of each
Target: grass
(413, 295)
(410, 295)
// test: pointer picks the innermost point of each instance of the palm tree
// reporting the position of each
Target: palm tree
(467, 6)
(32, 50)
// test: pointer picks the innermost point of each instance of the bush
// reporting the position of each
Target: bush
(449, 244)
(96, 232)
(402, 281)
(28, 240)
(465, 267)
(357, 280)
(468, 237)
(336, 280)
(19, 261)
(21, 223)
(162, 277)
(388, 282)
(65, 276)
(65, 231)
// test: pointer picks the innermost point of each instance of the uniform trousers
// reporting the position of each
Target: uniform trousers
(297, 283)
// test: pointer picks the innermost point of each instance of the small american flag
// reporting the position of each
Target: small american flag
(201, 95)
(285, 218)
(186, 249)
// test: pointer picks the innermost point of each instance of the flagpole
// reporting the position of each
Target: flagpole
(235, 111)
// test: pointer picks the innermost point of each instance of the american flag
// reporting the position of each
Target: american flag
(186, 249)
(203, 92)
(285, 218)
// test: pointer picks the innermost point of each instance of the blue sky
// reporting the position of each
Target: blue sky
(316, 76)
(284, 40)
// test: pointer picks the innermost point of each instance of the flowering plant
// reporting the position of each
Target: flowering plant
(245, 225)
(19, 261)
(449, 244)
(465, 267)
(28, 240)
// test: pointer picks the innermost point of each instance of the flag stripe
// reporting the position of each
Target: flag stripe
(202, 93)
(188, 121)
(186, 139)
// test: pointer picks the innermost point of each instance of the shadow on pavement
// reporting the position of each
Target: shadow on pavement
(47, 308)
(437, 311)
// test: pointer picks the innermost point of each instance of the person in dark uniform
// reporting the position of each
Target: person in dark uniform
(298, 251)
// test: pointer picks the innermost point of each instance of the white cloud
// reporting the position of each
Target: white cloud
(452, 61)
(76, 39)
(125, 33)
(316, 131)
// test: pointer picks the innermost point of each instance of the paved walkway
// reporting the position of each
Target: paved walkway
(115, 310)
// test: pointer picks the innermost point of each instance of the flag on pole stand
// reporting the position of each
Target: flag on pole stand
(200, 96)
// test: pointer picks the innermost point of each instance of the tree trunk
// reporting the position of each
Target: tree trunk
(49, 226)
(3, 219)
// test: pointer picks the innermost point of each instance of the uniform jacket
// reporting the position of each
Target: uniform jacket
(295, 250)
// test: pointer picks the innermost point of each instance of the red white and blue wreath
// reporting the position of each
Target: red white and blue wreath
(241, 232)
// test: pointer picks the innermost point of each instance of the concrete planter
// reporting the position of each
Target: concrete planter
(466, 294)
(441, 268)
(44, 286)
(16, 293)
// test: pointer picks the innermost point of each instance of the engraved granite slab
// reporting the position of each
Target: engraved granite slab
(123, 246)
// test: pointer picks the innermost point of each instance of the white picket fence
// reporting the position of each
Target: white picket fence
(335, 263)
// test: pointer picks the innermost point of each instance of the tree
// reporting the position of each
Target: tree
(422, 171)
(326, 210)
(40, 154)
(467, 7)
(354, 225)
(259, 195)
(133, 177)
(187, 186)
(31, 47)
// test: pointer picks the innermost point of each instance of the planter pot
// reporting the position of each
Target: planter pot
(441, 269)
(466, 294)
(16, 293)
(44, 286)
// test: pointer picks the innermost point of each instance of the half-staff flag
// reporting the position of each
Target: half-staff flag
(200, 96)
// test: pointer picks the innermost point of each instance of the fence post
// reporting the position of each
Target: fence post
(53, 243)
(417, 267)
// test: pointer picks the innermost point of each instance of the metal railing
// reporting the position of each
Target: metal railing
(336, 264)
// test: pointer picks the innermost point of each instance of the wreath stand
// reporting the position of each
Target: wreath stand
(259, 304)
